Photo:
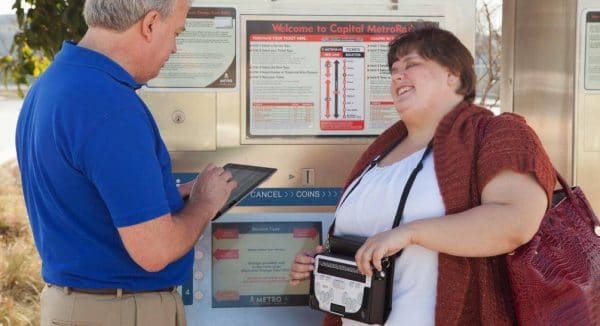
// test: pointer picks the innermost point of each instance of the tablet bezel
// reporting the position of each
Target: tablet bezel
(268, 172)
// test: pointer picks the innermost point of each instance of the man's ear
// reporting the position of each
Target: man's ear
(148, 23)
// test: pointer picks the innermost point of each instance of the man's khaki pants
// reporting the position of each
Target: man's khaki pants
(64, 308)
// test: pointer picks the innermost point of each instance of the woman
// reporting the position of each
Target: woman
(482, 192)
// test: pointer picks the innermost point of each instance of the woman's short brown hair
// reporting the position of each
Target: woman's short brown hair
(441, 46)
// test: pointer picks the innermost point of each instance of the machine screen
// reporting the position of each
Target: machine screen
(251, 262)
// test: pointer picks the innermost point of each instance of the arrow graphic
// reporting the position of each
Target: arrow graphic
(221, 254)
(226, 233)
(305, 233)
(327, 68)
(227, 295)
(336, 90)
(327, 98)
(344, 89)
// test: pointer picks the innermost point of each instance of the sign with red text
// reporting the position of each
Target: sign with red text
(251, 262)
(320, 78)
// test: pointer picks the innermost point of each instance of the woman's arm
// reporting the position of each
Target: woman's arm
(512, 207)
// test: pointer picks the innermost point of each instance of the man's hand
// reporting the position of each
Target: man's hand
(211, 189)
(186, 188)
(158, 242)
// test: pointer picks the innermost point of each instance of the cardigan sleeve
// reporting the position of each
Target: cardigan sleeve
(509, 143)
(332, 320)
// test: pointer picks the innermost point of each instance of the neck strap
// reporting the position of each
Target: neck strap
(405, 192)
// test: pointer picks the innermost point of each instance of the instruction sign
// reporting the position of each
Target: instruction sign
(251, 262)
(206, 52)
(592, 51)
(314, 78)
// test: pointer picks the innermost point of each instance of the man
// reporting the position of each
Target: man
(109, 223)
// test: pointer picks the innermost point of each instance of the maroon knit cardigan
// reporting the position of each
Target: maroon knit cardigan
(472, 291)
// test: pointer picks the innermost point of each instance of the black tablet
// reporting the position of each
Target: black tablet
(248, 177)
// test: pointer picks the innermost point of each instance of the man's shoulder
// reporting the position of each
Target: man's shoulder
(89, 80)
(84, 90)
(80, 100)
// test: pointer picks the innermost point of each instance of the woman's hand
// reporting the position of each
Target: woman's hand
(382, 245)
(512, 207)
(303, 265)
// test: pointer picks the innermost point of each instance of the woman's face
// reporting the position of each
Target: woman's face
(420, 85)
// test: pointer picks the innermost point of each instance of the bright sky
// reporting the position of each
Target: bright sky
(5, 7)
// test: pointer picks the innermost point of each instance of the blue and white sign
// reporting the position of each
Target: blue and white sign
(327, 196)
(292, 197)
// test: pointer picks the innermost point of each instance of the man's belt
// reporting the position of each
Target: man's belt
(116, 292)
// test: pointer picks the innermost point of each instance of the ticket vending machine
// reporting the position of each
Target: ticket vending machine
(556, 85)
(299, 85)
(587, 100)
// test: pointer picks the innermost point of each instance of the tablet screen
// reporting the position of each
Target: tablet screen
(248, 178)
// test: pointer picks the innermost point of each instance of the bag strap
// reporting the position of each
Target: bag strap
(409, 184)
(374, 162)
(580, 203)
(368, 168)
(405, 191)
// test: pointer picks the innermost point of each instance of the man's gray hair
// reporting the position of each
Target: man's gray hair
(119, 15)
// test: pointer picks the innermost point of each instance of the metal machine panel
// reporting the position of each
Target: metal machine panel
(551, 64)
(543, 89)
(587, 158)
(587, 103)
(185, 125)
(590, 120)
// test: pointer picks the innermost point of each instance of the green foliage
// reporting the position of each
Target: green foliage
(42, 29)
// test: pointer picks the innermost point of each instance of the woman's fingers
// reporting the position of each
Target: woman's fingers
(319, 249)
(363, 259)
(303, 259)
(379, 246)
(299, 276)
(378, 255)
(303, 266)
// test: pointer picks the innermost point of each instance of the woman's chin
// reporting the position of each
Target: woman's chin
(402, 108)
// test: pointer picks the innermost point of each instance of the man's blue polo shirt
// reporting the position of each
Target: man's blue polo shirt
(92, 160)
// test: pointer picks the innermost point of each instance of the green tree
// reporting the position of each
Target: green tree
(42, 29)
